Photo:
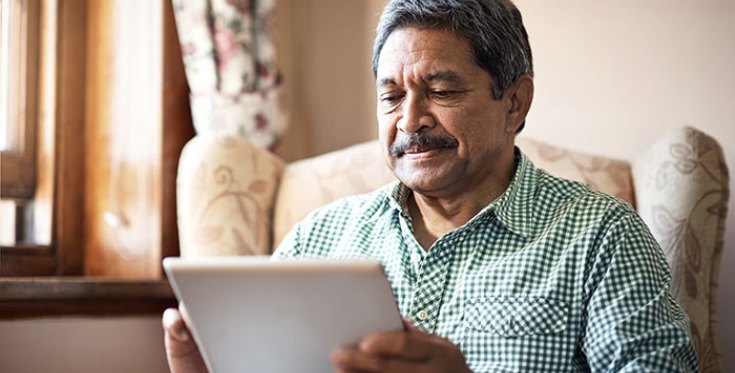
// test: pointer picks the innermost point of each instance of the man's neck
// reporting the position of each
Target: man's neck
(433, 217)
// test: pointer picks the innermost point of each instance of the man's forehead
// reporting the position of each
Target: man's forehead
(439, 55)
(412, 42)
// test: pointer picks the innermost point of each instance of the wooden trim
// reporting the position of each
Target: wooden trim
(27, 260)
(78, 288)
(43, 200)
(68, 228)
(26, 249)
(37, 297)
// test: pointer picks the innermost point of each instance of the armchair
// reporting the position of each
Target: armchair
(236, 199)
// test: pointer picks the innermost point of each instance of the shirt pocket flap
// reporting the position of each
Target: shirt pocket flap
(517, 316)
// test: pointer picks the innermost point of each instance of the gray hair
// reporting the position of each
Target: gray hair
(494, 29)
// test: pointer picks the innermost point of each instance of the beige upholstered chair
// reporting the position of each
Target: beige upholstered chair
(235, 199)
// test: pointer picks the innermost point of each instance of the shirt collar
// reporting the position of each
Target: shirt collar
(398, 197)
(513, 208)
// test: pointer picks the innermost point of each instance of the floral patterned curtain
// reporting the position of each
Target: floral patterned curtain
(229, 56)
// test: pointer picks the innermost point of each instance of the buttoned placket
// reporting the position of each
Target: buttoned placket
(429, 289)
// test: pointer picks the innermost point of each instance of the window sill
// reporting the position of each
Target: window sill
(82, 296)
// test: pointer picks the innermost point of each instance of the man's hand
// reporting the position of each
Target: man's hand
(406, 351)
(181, 350)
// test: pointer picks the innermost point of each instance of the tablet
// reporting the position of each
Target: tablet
(253, 314)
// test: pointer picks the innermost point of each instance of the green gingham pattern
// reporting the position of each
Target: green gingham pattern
(550, 277)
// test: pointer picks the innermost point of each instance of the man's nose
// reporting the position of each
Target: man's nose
(415, 116)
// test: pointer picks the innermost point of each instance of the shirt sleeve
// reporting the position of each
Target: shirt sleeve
(632, 324)
(289, 248)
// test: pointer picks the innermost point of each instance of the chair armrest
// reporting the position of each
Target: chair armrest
(225, 188)
(681, 187)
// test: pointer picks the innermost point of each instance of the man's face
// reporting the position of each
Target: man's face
(442, 132)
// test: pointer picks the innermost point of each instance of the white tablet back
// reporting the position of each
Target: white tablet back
(251, 314)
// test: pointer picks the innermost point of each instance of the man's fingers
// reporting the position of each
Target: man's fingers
(412, 351)
(408, 325)
(175, 326)
(401, 366)
(415, 345)
(354, 361)
(181, 350)
(351, 360)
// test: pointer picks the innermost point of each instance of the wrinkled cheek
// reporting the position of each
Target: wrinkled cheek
(387, 122)
(386, 137)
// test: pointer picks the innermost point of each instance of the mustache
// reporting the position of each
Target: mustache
(422, 141)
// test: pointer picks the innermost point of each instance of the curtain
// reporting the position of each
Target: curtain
(229, 58)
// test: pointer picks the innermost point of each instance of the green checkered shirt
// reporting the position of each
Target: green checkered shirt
(550, 277)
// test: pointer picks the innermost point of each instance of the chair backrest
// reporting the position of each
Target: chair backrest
(314, 182)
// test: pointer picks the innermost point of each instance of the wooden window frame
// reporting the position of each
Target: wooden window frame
(60, 204)
(17, 174)
(56, 296)
(58, 199)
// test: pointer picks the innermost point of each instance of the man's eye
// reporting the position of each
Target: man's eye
(441, 93)
(391, 99)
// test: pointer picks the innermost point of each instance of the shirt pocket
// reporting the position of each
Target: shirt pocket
(516, 316)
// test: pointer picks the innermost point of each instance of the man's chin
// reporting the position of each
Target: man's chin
(424, 181)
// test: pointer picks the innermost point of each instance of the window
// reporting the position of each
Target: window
(18, 74)
(70, 65)
(19, 43)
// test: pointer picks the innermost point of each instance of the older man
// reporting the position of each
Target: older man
(496, 265)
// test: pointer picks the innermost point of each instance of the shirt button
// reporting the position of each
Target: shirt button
(422, 315)
(415, 258)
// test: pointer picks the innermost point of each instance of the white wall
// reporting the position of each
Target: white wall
(324, 52)
(613, 76)
(110, 345)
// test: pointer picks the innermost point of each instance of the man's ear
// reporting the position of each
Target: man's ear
(520, 96)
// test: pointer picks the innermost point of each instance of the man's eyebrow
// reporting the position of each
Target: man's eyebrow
(445, 76)
(386, 82)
